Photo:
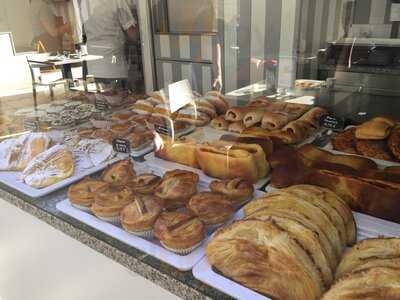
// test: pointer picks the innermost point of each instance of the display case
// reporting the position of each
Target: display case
(244, 149)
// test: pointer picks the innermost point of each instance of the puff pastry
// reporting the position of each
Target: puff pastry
(109, 202)
(394, 142)
(220, 123)
(253, 117)
(218, 100)
(236, 114)
(182, 151)
(83, 192)
(237, 127)
(120, 173)
(237, 190)
(375, 129)
(145, 183)
(345, 141)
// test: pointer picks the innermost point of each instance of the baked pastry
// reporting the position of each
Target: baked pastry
(345, 141)
(122, 116)
(265, 143)
(274, 120)
(179, 232)
(120, 173)
(261, 102)
(163, 110)
(211, 208)
(227, 160)
(237, 127)
(375, 129)
(394, 142)
(237, 190)
(254, 117)
(281, 113)
(367, 253)
(374, 149)
(139, 136)
(86, 132)
(104, 134)
(158, 97)
(145, 183)
(314, 115)
(297, 131)
(109, 203)
(81, 194)
(264, 257)
(49, 167)
(236, 114)
(121, 129)
(139, 216)
(89, 153)
(218, 100)
(205, 106)
(181, 151)
(220, 123)
(371, 284)
(143, 107)
(190, 115)
(177, 187)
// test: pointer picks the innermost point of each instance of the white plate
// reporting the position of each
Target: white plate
(160, 166)
(12, 180)
(367, 227)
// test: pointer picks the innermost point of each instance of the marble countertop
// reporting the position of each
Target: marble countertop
(182, 284)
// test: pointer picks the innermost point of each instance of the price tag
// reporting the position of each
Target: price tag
(31, 125)
(121, 145)
(163, 129)
(332, 122)
(101, 104)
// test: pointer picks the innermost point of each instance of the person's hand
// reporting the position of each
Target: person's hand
(65, 28)
(217, 84)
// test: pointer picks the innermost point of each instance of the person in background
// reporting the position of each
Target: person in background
(107, 24)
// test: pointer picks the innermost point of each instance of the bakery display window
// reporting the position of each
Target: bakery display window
(208, 134)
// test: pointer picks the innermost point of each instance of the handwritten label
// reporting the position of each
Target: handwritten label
(332, 122)
(121, 145)
(101, 104)
(31, 125)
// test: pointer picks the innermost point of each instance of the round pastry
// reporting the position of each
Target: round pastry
(108, 203)
(179, 232)
(139, 137)
(139, 216)
(104, 134)
(120, 173)
(82, 193)
(121, 129)
(123, 117)
(211, 208)
(145, 183)
(237, 190)
(219, 101)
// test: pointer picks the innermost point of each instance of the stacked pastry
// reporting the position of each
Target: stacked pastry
(290, 122)
(378, 138)
(355, 179)
(369, 270)
(288, 245)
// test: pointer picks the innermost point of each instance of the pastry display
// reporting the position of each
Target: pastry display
(120, 130)
(375, 129)
(237, 190)
(82, 194)
(236, 114)
(265, 143)
(120, 173)
(139, 137)
(89, 153)
(109, 203)
(145, 183)
(177, 187)
(49, 167)
(345, 141)
(139, 216)
(179, 232)
(182, 151)
(192, 116)
(375, 149)
(211, 208)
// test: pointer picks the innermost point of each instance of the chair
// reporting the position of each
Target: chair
(37, 79)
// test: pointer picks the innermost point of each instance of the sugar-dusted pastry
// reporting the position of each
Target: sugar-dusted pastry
(375, 129)
(81, 194)
(181, 151)
(218, 100)
(139, 216)
(145, 183)
(90, 153)
(345, 141)
(49, 167)
(220, 123)
(375, 149)
(120, 173)
(177, 187)
(179, 232)
(211, 208)
(237, 113)
(108, 203)
(236, 127)
(237, 190)
(394, 142)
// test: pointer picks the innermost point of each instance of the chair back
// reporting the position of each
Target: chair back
(34, 68)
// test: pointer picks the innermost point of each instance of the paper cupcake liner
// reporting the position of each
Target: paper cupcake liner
(148, 234)
(81, 207)
(181, 251)
(113, 220)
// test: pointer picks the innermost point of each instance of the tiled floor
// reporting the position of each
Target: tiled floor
(37, 262)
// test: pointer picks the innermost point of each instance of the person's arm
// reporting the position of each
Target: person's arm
(132, 33)
(217, 84)
(127, 21)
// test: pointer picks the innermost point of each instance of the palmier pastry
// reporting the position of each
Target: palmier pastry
(119, 173)
(220, 123)
(145, 183)
(181, 151)
(177, 187)
(219, 101)
(345, 141)
(49, 167)
(179, 232)
(237, 190)
(394, 142)
(139, 216)
(82, 193)
(109, 202)
(375, 129)
(211, 208)
(374, 149)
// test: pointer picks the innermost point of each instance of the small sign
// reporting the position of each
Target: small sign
(101, 104)
(180, 94)
(121, 145)
(395, 12)
(332, 122)
(163, 129)
(31, 125)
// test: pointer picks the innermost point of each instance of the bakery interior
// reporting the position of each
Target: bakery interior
(213, 149)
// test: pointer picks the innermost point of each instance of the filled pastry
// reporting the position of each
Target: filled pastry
(211, 208)
(345, 141)
(375, 129)
(81, 194)
(375, 149)
(394, 142)
(236, 127)
(139, 216)
(139, 136)
(179, 232)
(220, 123)
(218, 100)
(181, 151)
(192, 116)
(205, 106)
(236, 114)
(120, 173)
(253, 117)
(121, 129)
(237, 190)
(145, 183)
